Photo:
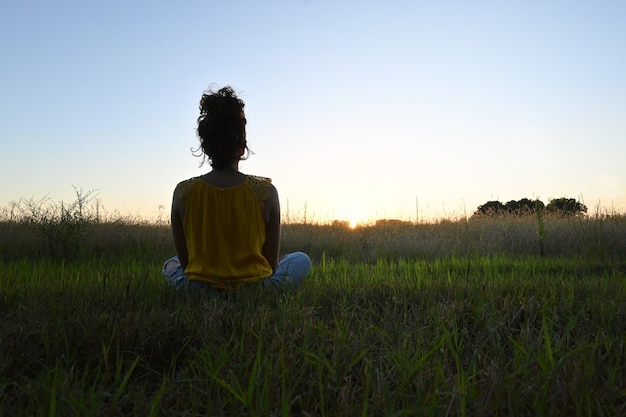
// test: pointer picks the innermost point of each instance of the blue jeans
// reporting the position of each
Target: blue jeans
(292, 269)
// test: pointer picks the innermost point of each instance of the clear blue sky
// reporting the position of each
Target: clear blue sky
(356, 109)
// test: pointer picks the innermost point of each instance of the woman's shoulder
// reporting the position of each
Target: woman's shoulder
(183, 187)
(261, 186)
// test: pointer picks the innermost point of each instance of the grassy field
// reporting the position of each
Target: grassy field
(487, 317)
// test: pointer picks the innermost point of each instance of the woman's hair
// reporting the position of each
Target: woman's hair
(221, 127)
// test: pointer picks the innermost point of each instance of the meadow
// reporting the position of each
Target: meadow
(465, 317)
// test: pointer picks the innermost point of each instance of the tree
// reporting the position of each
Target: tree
(566, 207)
(523, 207)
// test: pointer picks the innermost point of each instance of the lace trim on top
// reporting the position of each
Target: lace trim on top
(183, 187)
(260, 186)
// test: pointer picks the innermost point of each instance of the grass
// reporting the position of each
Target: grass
(450, 319)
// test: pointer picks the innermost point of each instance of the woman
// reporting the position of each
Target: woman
(226, 224)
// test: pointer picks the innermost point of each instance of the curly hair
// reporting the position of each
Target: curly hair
(222, 127)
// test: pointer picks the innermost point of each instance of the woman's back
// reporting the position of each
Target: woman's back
(225, 229)
(225, 224)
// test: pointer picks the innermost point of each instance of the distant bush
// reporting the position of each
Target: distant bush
(490, 208)
(392, 222)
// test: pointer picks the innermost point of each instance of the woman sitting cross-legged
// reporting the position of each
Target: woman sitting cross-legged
(226, 224)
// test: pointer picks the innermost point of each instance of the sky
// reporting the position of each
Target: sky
(357, 110)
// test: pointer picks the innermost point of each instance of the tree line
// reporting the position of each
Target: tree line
(559, 206)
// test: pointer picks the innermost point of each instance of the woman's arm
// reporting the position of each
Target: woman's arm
(272, 229)
(178, 232)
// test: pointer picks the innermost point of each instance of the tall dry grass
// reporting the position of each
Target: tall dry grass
(602, 237)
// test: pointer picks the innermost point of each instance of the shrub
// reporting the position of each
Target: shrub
(62, 225)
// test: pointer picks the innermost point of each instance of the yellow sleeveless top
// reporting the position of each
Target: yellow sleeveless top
(225, 231)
